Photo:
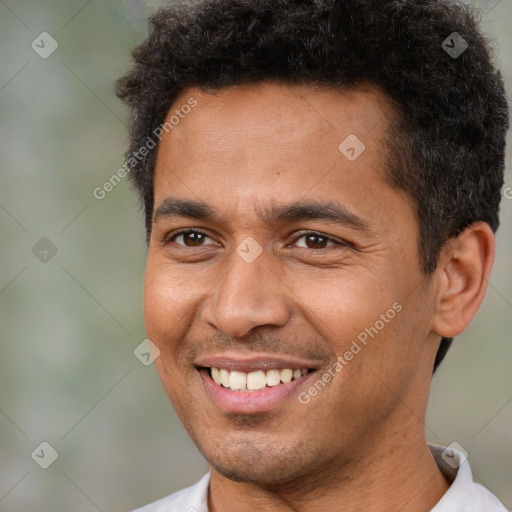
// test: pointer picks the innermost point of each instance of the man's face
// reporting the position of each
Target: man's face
(258, 294)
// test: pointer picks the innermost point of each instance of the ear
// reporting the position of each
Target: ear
(462, 275)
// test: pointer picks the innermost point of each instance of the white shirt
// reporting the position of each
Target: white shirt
(464, 495)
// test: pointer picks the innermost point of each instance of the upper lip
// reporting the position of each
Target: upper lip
(256, 362)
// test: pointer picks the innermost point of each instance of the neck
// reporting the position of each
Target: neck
(388, 473)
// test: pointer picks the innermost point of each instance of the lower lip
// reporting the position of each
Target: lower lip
(250, 402)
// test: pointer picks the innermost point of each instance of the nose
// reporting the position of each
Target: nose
(249, 295)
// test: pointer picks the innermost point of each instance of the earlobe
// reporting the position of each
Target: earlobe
(463, 272)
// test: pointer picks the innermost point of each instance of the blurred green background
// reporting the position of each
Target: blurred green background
(70, 321)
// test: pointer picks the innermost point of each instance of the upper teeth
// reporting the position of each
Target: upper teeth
(254, 380)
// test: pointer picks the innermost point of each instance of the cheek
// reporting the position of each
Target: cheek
(167, 317)
(346, 303)
(364, 319)
(168, 301)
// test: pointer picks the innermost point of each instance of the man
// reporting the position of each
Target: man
(321, 183)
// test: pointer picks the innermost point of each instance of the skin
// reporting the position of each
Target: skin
(360, 443)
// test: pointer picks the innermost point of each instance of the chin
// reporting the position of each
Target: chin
(261, 474)
(248, 463)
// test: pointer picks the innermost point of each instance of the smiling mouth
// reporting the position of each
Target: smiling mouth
(254, 381)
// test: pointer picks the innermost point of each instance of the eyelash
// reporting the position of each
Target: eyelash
(168, 239)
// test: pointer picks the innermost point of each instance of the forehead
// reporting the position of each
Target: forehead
(292, 109)
(268, 140)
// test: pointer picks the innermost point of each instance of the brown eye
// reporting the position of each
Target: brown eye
(190, 237)
(317, 240)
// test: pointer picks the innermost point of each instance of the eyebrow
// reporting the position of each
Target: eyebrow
(272, 214)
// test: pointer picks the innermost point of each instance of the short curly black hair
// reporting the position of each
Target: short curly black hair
(446, 147)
